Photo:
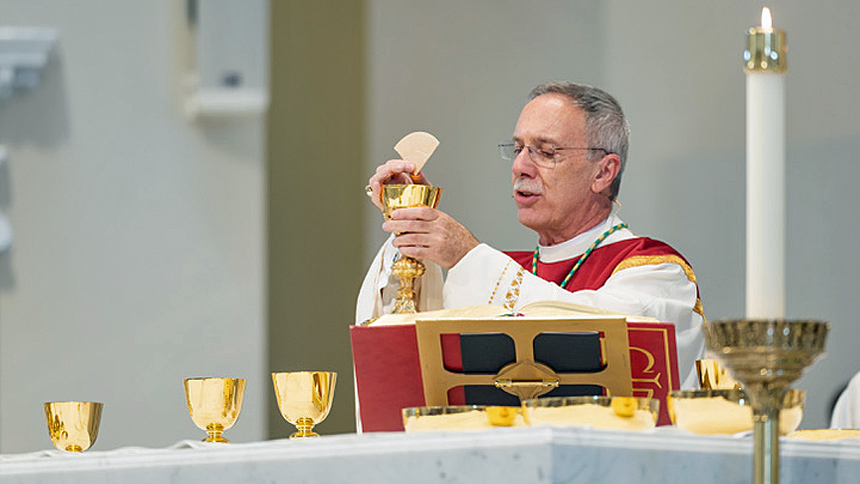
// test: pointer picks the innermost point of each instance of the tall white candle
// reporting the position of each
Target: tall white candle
(765, 117)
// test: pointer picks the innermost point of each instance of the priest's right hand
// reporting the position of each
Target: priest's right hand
(393, 172)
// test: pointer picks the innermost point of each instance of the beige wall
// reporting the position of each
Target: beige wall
(315, 193)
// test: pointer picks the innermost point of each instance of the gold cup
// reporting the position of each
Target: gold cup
(304, 398)
(407, 269)
(214, 404)
(713, 376)
(73, 426)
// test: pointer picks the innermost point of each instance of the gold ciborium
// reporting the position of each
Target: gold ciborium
(304, 398)
(765, 357)
(214, 404)
(73, 426)
(407, 269)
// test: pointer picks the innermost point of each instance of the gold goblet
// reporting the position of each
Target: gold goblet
(304, 398)
(214, 404)
(713, 376)
(73, 426)
(407, 269)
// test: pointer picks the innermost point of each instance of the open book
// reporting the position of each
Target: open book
(536, 310)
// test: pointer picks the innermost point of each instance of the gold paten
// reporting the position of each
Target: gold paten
(766, 51)
(407, 269)
(304, 398)
(214, 404)
(525, 377)
(766, 356)
(73, 426)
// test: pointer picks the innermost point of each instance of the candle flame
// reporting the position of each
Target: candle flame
(766, 20)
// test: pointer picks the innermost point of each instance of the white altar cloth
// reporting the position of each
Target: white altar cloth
(521, 455)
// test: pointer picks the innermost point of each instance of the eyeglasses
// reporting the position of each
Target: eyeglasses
(545, 155)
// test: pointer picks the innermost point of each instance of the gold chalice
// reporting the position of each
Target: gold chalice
(214, 404)
(407, 269)
(304, 398)
(765, 357)
(73, 426)
(713, 376)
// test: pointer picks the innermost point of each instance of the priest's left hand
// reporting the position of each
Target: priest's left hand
(427, 233)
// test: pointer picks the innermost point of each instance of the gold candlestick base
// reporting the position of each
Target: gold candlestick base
(766, 356)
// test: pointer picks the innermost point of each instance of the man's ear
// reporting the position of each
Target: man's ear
(607, 170)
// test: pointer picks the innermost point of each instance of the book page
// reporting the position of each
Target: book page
(562, 308)
(539, 309)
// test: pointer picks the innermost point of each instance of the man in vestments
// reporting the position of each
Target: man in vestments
(568, 151)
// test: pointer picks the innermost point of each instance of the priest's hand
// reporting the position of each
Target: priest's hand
(393, 172)
(427, 233)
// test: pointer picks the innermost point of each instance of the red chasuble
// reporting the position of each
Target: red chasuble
(604, 261)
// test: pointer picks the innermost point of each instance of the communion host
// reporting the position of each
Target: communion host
(567, 154)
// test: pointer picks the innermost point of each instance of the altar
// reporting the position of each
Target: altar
(521, 455)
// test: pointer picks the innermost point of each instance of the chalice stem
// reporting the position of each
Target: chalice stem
(766, 446)
(407, 270)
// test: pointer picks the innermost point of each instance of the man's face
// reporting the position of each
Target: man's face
(554, 202)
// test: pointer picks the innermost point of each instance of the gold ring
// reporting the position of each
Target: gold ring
(368, 191)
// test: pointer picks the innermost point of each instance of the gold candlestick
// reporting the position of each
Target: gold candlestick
(766, 356)
(407, 269)
(766, 49)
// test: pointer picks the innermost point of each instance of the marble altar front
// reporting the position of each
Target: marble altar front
(521, 455)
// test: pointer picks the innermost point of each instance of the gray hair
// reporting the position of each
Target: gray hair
(605, 124)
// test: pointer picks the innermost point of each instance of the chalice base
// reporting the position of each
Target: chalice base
(215, 435)
(305, 429)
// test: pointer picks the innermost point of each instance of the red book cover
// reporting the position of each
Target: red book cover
(388, 372)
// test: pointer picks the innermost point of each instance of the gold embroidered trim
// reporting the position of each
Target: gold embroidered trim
(499, 281)
(645, 260)
(698, 309)
(514, 292)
